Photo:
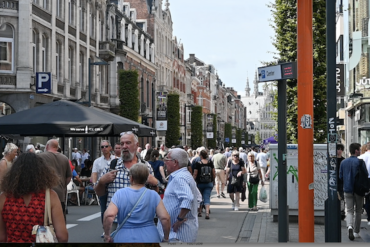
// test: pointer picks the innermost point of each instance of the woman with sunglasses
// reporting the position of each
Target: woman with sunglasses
(254, 171)
(235, 169)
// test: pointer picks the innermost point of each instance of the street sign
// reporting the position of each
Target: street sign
(209, 135)
(43, 82)
(270, 73)
(227, 140)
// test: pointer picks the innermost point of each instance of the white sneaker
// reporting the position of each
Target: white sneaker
(233, 206)
(236, 209)
(368, 223)
(356, 235)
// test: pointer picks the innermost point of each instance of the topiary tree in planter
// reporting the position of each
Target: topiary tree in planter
(173, 120)
(196, 127)
(129, 94)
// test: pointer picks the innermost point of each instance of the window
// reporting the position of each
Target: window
(82, 19)
(59, 8)
(45, 4)
(70, 64)
(91, 25)
(71, 12)
(44, 53)
(6, 49)
(101, 30)
(112, 28)
(142, 89)
(81, 65)
(147, 94)
(57, 60)
(34, 51)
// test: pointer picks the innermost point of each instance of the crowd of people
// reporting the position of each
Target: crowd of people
(134, 187)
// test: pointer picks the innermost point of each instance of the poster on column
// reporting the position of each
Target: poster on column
(209, 126)
(161, 103)
(233, 135)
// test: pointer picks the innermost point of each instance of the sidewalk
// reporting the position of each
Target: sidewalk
(244, 226)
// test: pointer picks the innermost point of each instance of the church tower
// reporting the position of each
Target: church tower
(255, 83)
(248, 89)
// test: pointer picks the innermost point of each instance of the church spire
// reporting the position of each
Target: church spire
(248, 89)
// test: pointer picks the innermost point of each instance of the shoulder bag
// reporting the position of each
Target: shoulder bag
(128, 216)
(253, 180)
(45, 233)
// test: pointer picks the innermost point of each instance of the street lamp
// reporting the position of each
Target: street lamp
(99, 62)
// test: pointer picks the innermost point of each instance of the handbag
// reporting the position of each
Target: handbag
(128, 216)
(45, 233)
(253, 180)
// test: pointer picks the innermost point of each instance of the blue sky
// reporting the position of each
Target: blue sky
(233, 35)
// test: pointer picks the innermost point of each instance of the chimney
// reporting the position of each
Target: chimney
(191, 58)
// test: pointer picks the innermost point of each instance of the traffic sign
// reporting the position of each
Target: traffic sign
(43, 82)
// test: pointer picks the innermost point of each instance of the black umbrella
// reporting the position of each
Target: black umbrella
(66, 118)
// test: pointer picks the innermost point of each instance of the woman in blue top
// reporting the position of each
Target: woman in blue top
(158, 166)
(140, 227)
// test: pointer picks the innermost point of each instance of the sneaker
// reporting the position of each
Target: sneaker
(218, 197)
(350, 233)
(236, 209)
(368, 223)
(356, 235)
(91, 201)
(102, 236)
(223, 195)
(233, 206)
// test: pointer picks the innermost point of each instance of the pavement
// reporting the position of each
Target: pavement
(227, 227)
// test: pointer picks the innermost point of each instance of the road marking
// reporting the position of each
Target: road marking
(71, 225)
(91, 217)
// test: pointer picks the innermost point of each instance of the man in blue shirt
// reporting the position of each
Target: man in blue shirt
(347, 173)
(180, 198)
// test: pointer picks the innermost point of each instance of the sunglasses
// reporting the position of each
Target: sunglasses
(104, 146)
(126, 132)
(236, 156)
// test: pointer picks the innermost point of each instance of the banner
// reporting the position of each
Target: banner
(233, 135)
(209, 127)
(340, 80)
(161, 102)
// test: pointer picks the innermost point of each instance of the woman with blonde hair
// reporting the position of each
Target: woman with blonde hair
(10, 152)
(255, 175)
(22, 203)
(363, 149)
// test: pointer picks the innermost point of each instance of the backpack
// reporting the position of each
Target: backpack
(362, 184)
(205, 175)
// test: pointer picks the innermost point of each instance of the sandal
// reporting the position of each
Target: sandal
(207, 216)
(199, 214)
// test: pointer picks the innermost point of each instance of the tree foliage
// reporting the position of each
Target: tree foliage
(285, 25)
(257, 138)
(196, 127)
(238, 137)
(227, 134)
(129, 94)
(173, 120)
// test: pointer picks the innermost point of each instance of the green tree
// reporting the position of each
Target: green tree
(196, 127)
(228, 134)
(173, 120)
(129, 94)
(285, 26)
(212, 143)
(257, 138)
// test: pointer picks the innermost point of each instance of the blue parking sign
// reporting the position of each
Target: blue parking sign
(227, 139)
(43, 82)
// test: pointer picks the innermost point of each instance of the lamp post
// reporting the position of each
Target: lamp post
(99, 62)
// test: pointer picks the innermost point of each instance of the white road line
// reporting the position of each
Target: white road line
(71, 225)
(90, 217)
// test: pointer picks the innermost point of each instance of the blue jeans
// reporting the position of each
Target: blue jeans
(205, 190)
(103, 205)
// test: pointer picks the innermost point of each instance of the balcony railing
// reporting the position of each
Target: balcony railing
(10, 4)
(107, 50)
(9, 80)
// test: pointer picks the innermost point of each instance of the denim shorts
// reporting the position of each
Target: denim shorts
(205, 190)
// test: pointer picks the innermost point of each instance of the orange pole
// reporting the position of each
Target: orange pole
(305, 121)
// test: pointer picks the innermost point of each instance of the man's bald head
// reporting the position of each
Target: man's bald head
(52, 145)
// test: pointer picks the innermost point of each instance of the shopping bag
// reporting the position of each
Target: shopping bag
(263, 194)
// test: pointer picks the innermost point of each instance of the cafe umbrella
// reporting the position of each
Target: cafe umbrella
(66, 118)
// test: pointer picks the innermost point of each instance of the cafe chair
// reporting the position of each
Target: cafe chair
(91, 192)
(72, 188)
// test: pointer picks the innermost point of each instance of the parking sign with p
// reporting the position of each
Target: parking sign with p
(43, 82)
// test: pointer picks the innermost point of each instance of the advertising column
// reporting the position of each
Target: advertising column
(233, 135)
(209, 126)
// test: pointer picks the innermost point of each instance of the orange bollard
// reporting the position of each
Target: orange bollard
(305, 121)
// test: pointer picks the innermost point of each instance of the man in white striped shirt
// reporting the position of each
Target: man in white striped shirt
(180, 198)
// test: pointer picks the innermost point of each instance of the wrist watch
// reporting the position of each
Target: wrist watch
(180, 219)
